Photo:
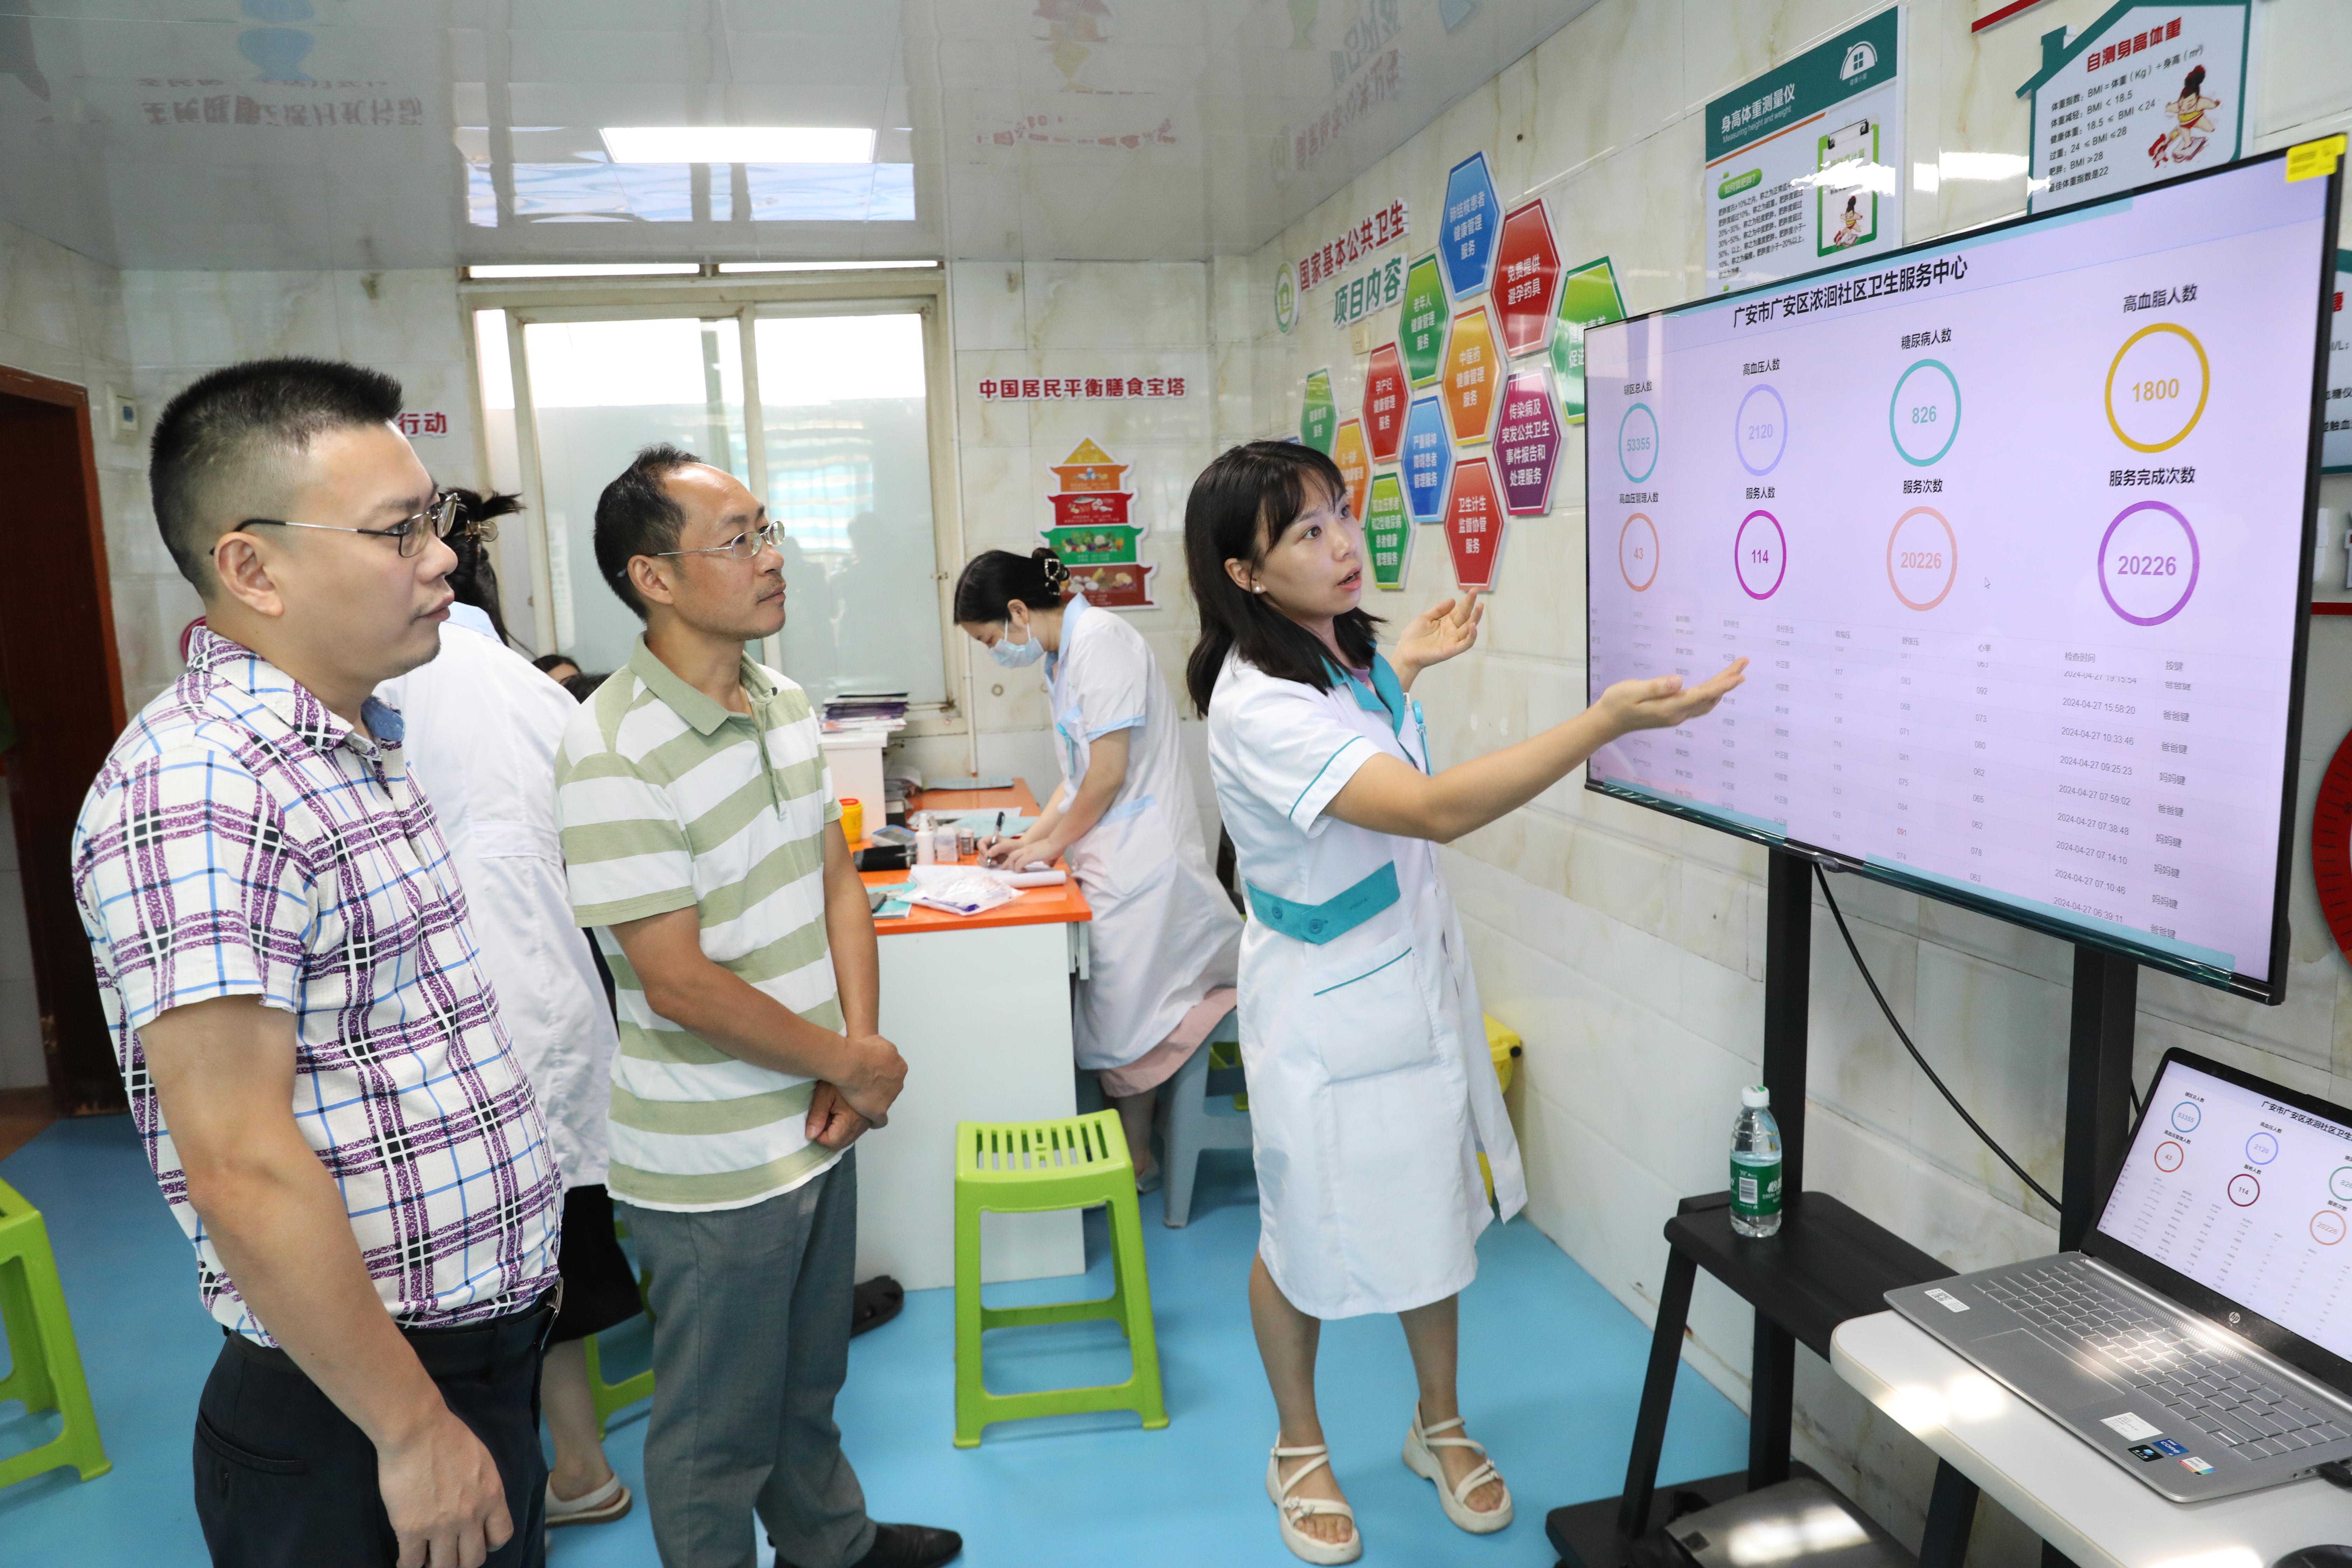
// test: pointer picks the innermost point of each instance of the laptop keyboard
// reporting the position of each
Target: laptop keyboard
(2218, 1394)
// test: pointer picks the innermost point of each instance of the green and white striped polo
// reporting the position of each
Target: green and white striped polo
(667, 800)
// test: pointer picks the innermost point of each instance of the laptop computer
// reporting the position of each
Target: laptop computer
(2202, 1337)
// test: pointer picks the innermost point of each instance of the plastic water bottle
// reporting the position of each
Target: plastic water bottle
(1755, 1165)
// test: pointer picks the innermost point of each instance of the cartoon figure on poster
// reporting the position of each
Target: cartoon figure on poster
(2196, 122)
(1849, 228)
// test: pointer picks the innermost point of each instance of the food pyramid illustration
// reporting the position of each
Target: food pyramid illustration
(1092, 535)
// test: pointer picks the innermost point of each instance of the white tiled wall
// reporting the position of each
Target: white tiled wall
(1049, 318)
(1626, 948)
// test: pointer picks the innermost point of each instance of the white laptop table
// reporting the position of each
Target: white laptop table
(2072, 1496)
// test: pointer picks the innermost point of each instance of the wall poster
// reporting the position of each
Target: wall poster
(1802, 163)
(1588, 296)
(2142, 94)
(1093, 533)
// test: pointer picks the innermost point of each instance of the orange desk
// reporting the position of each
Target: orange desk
(980, 1006)
(1065, 905)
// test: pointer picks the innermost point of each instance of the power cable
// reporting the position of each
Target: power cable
(1949, 1098)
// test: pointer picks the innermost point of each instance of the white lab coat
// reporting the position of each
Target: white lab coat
(482, 727)
(1164, 934)
(1371, 1089)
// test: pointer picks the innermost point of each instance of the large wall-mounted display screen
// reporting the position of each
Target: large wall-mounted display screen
(2016, 530)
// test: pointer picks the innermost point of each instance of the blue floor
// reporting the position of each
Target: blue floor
(1551, 1370)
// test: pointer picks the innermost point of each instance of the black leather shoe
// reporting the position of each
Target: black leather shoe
(906, 1546)
(911, 1546)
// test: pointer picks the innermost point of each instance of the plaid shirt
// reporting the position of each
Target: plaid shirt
(244, 841)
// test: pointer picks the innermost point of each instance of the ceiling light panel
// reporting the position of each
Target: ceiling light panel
(740, 144)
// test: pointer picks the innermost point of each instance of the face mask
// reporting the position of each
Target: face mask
(1016, 654)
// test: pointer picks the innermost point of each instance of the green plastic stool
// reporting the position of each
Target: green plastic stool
(45, 1369)
(1027, 1167)
(609, 1399)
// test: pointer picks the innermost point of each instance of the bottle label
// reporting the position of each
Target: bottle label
(1755, 1188)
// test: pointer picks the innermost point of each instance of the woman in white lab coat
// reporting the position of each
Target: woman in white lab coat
(1161, 946)
(1371, 1091)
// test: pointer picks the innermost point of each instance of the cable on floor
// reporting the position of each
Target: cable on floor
(1949, 1098)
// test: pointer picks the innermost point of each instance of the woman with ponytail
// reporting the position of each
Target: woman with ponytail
(1164, 934)
(1370, 1090)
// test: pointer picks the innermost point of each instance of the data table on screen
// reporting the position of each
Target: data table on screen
(2013, 530)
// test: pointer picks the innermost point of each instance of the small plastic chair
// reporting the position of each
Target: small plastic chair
(609, 1399)
(1029, 1167)
(45, 1369)
(1189, 1124)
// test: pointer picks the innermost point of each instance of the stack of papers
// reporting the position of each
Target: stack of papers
(885, 711)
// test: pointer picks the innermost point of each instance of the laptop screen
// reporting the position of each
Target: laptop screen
(2245, 1194)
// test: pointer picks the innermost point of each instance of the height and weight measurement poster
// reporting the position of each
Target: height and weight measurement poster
(1802, 161)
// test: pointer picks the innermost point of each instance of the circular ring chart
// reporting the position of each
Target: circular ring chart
(2339, 1181)
(2148, 563)
(1759, 553)
(1923, 414)
(2157, 387)
(1760, 432)
(2186, 1115)
(2169, 1155)
(2261, 1149)
(2244, 1190)
(1637, 551)
(2327, 1227)
(1637, 442)
(1923, 558)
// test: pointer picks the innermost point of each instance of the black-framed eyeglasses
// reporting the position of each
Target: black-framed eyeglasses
(439, 520)
(743, 546)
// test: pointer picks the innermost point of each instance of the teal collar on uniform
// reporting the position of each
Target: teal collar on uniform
(1072, 607)
(1385, 695)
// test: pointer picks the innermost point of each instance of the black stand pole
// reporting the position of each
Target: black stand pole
(2098, 1087)
(1788, 988)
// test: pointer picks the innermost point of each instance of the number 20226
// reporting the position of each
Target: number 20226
(2156, 391)
(1929, 560)
(2147, 566)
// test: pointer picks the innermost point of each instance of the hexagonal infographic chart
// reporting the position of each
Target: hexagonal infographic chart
(1428, 460)
(1474, 523)
(1387, 533)
(1528, 443)
(1472, 223)
(1318, 416)
(1473, 377)
(1355, 463)
(1420, 329)
(1385, 396)
(1526, 278)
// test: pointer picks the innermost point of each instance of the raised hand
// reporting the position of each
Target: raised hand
(1662, 703)
(1446, 629)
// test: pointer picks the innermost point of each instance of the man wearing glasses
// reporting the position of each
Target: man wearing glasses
(703, 843)
(329, 1098)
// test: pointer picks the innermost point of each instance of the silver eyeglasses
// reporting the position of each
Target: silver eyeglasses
(437, 520)
(743, 547)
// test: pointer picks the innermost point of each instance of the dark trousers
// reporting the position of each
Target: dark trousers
(751, 1310)
(284, 1480)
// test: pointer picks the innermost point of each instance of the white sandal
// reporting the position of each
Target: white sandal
(605, 1504)
(1291, 1511)
(1420, 1444)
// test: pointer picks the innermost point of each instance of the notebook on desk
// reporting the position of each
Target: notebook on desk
(2202, 1337)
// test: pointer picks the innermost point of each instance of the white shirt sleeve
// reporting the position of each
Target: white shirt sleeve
(1111, 679)
(1290, 750)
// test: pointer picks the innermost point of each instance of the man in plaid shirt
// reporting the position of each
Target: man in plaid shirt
(312, 1052)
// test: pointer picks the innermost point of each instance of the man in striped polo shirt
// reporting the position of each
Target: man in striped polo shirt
(704, 845)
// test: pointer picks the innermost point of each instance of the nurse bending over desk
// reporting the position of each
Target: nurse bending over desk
(1164, 934)
(1371, 1087)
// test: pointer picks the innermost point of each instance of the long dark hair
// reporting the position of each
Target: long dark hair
(1239, 507)
(475, 581)
(993, 579)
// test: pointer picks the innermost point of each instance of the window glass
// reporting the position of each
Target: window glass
(846, 440)
(599, 390)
